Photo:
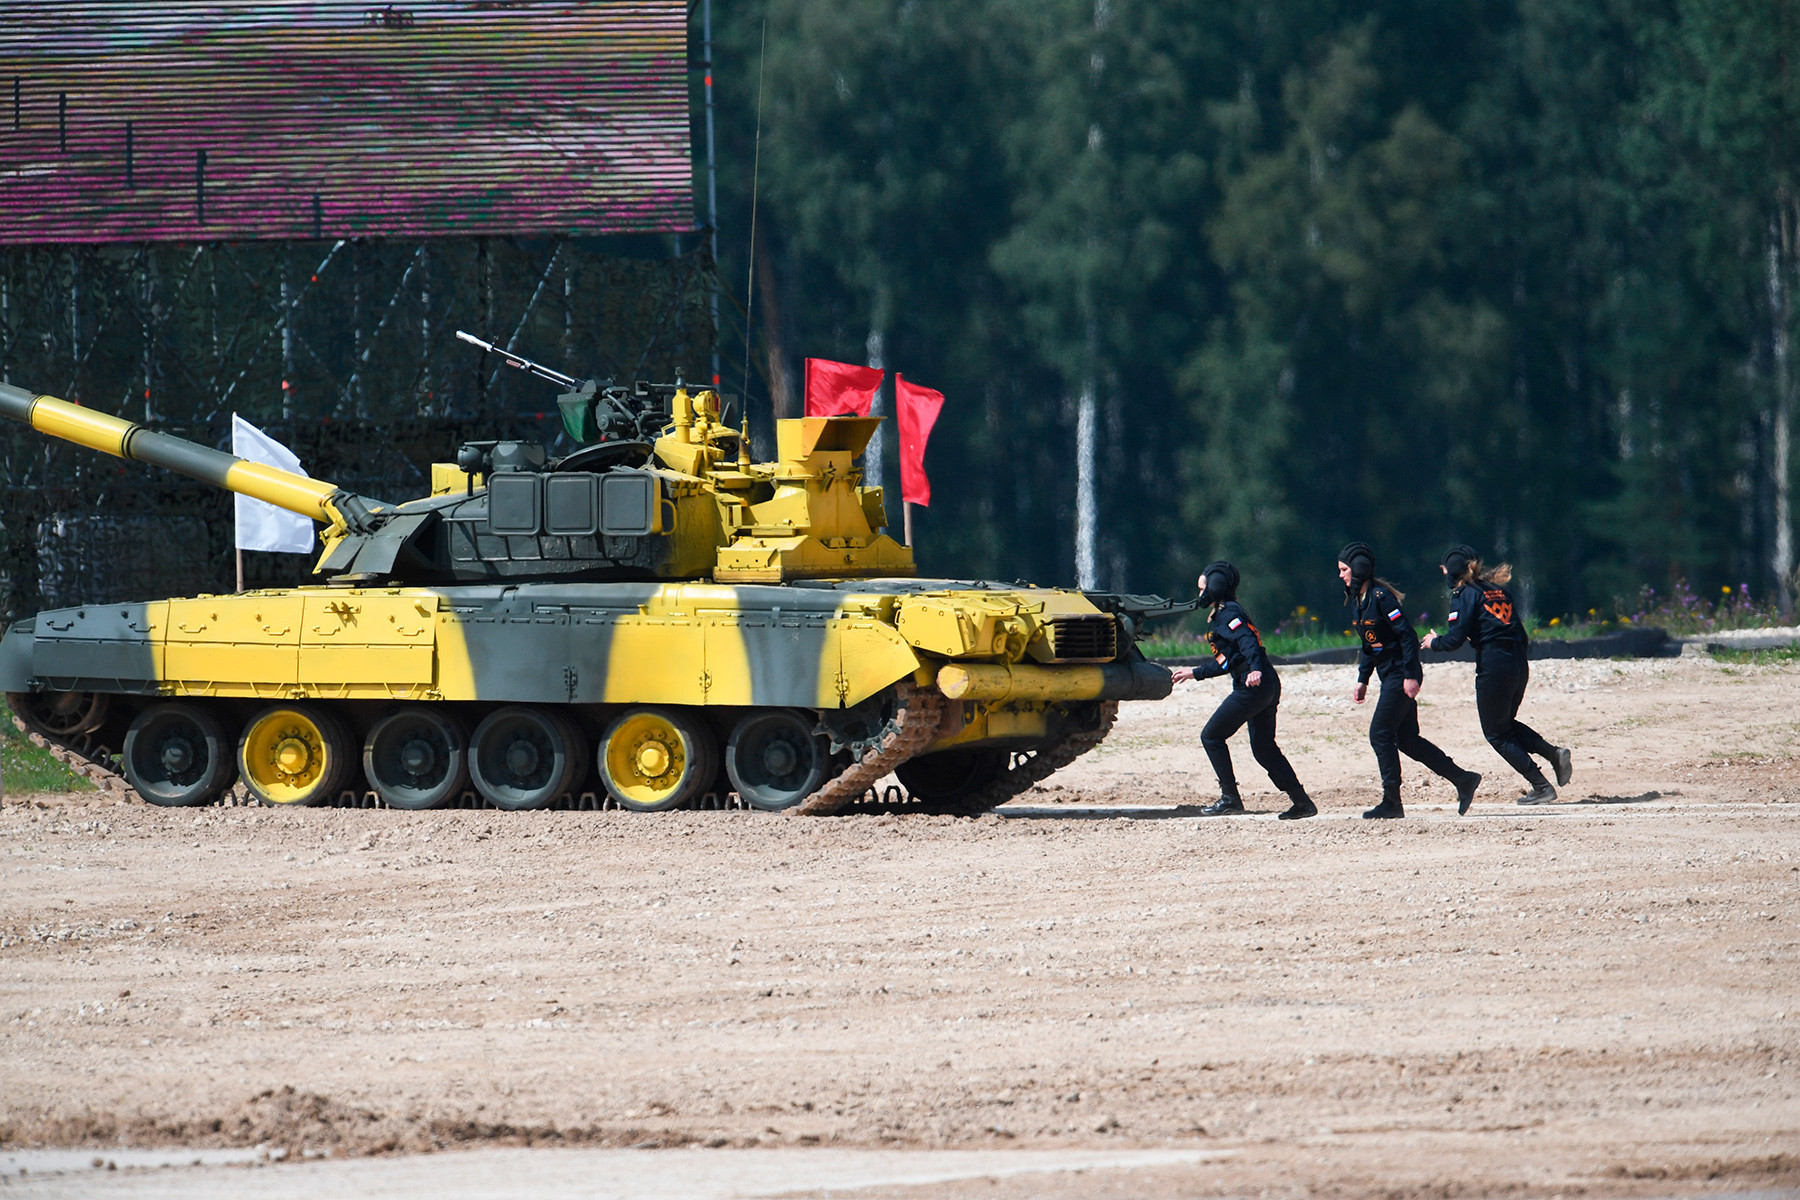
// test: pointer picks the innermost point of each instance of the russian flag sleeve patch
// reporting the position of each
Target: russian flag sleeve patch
(1235, 622)
(1453, 616)
(1394, 616)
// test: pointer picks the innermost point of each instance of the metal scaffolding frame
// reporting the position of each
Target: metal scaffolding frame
(338, 345)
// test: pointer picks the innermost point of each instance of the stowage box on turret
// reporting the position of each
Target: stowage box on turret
(654, 616)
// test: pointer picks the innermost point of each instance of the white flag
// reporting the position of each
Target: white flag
(260, 525)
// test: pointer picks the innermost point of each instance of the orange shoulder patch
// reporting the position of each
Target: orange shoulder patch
(1499, 606)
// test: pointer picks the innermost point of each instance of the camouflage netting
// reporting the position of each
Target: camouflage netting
(344, 351)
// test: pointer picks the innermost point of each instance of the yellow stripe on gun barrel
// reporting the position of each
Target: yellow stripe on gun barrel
(83, 426)
(296, 493)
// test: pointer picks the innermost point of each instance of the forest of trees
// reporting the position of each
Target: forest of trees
(1515, 272)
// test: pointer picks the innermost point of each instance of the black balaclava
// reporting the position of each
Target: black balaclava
(1361, 561)
(1457, 560)
(1221, 582)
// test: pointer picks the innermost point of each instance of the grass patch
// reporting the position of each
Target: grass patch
(1573, 631)
(27, 768)
(1298, 632)
(1681, 613)
(1770, 657)
(1279, 644)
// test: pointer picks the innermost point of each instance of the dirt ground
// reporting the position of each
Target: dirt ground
(1599, 997)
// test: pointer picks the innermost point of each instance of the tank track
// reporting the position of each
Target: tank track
(914, 726)
(1026, 773)
(91, 762)
(919, 721)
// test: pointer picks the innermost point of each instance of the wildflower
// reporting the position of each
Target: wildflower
(1301, 611)
(1726, 589)
(1555, 621)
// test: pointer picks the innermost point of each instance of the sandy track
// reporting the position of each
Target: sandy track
(1603, 995)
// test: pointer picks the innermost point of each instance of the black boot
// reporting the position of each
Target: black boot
(1465, 791)
(1303, 806)
(1565, 766)
(1388, 809)
(1224, 806)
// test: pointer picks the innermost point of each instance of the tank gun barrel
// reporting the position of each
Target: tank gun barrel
(524, 364)
(120, 438)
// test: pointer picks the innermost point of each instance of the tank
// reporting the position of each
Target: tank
(647, 621)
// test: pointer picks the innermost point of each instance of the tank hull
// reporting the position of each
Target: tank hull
(832, 654)
(539, 643)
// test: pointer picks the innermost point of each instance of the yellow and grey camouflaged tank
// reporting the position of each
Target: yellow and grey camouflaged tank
(648, 621)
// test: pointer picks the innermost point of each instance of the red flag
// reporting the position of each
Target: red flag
(918, 409)
(835, 389)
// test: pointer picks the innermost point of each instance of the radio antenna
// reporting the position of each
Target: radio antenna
(755, 173)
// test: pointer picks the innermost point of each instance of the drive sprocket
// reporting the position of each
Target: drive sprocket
(918, 715)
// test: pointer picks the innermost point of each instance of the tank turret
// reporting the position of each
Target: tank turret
(662, 489)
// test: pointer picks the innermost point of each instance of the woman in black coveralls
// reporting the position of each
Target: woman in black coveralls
(1483, 613)
(1255, 694)
(1388, 647)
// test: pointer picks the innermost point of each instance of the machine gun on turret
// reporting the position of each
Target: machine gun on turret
(521, 362)
(595, 411)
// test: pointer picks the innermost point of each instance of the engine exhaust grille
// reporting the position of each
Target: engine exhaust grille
(1084, 639)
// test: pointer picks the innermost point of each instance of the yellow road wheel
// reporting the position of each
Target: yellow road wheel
(295, 754)
(657, 758)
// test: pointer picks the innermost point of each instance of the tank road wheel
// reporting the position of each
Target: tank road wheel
(417, 758)
(949, 775)
(178, 755)
(295, 754)
(525, 757)
(61, 715)
(774, 759)
(656, 758)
